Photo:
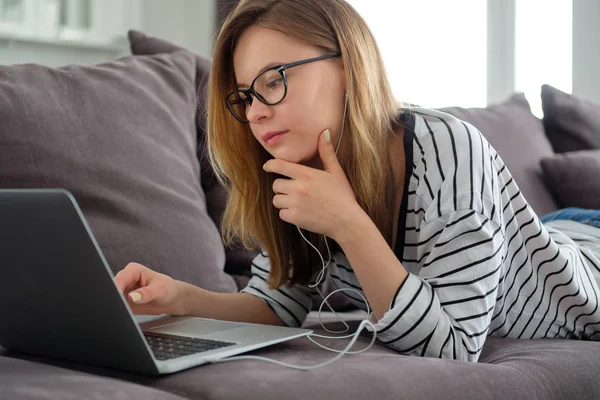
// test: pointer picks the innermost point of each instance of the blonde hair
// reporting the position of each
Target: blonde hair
(237, 157)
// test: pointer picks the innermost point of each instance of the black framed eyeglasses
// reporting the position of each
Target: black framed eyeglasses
(269, 87)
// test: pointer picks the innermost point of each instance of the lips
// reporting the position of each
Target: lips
(268, 135)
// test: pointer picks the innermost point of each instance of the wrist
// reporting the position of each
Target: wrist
(192, 300)
(354, 228)
(180, 305)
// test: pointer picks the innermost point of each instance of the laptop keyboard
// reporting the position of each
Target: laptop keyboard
(166, 347)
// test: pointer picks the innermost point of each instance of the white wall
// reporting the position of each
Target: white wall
(187, 22)
(52, 54)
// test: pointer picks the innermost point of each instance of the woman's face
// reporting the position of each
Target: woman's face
(314, 100)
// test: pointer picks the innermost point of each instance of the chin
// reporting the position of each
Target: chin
(290, 155)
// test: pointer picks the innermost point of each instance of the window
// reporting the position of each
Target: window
(12, 15)
(544, 32)
(94, 22)
(435, 51)
(75, 18)
(12, 11)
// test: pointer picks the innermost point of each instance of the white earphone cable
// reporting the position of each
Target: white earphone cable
(315, 285)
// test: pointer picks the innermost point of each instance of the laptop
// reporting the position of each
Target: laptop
(58, 298)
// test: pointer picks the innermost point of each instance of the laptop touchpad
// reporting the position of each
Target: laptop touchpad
(195, 327)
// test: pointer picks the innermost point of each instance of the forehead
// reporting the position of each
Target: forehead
(258, 47)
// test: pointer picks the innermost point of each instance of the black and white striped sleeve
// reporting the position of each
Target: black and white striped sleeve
(290, 303)
(445, 310)
(445, 306)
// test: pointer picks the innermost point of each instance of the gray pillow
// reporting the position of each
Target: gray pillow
(519, 137)
(121, 136)
(574, 178)
(572, 123)
(142, 44)
(237, 259)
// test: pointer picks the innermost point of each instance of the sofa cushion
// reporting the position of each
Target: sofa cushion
(142, 44)
(519, 137)
(27, 380)
(238, 259)
(572, 123)
(121, 137)
(574, 178)
(508, 369)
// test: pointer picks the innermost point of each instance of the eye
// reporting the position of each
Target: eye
(240, 98)
(275, 83)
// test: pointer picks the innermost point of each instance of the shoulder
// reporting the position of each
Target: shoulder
(438, 133)
(452, 161)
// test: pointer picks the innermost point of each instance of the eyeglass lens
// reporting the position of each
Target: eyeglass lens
(269, 86)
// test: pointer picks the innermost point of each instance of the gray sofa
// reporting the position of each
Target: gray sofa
(126, 139)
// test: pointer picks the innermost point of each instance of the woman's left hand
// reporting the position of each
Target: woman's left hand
(321, 201)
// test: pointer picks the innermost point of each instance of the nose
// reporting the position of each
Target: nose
(258, 111)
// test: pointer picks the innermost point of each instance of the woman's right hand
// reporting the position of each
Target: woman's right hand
(149, 292)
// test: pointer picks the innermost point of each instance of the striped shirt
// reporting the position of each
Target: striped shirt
(479, 260)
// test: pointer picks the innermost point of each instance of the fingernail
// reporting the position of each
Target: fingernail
(135, 296)
(265, 166)
(326, 135)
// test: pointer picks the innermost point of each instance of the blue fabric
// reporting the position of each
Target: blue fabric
(585, 216)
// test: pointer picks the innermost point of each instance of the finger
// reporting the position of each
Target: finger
(129, 276)
(327, 153)
(281, 201)
(286, 215)
(148, 293)
(286, 168)
(283, 186)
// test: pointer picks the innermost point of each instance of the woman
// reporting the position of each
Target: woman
(423, 216)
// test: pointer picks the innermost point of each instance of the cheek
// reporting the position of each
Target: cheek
(255, 132)
(311, 115)
(321, 104)
(299, 116)
(306, 124)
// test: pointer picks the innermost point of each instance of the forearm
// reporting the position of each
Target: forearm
(240, 307)
(448, 313)
(377, 268)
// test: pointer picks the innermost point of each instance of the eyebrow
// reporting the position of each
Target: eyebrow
(263, 69)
